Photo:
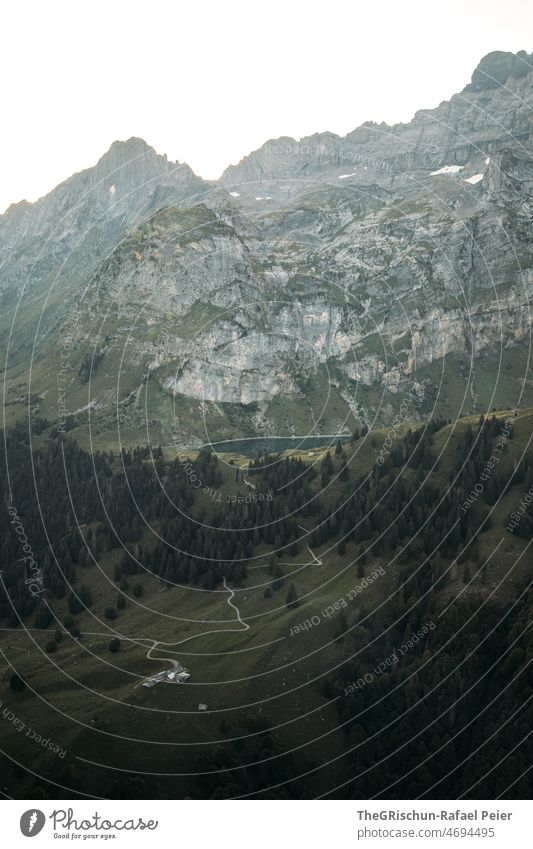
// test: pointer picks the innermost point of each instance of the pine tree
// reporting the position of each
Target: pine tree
(292, 599)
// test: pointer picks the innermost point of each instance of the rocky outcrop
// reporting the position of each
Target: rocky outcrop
(497, 67)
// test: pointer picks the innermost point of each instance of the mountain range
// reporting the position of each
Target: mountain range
(310, 289)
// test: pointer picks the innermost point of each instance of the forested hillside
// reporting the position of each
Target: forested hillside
(355, 619)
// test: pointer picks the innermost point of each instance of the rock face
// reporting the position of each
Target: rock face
(85, 217)
(313, 284)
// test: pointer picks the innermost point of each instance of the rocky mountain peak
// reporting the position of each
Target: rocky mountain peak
(127, 152)
(87, 215)
(496, 67)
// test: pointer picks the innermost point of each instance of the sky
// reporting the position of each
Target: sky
(207, 82)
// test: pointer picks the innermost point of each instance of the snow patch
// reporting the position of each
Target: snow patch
(112, 190)
(448, 169)
(474, 179)
(487, 160)
(345, 176)
(235, 194)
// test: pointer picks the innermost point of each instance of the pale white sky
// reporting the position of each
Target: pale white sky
(207, 82)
